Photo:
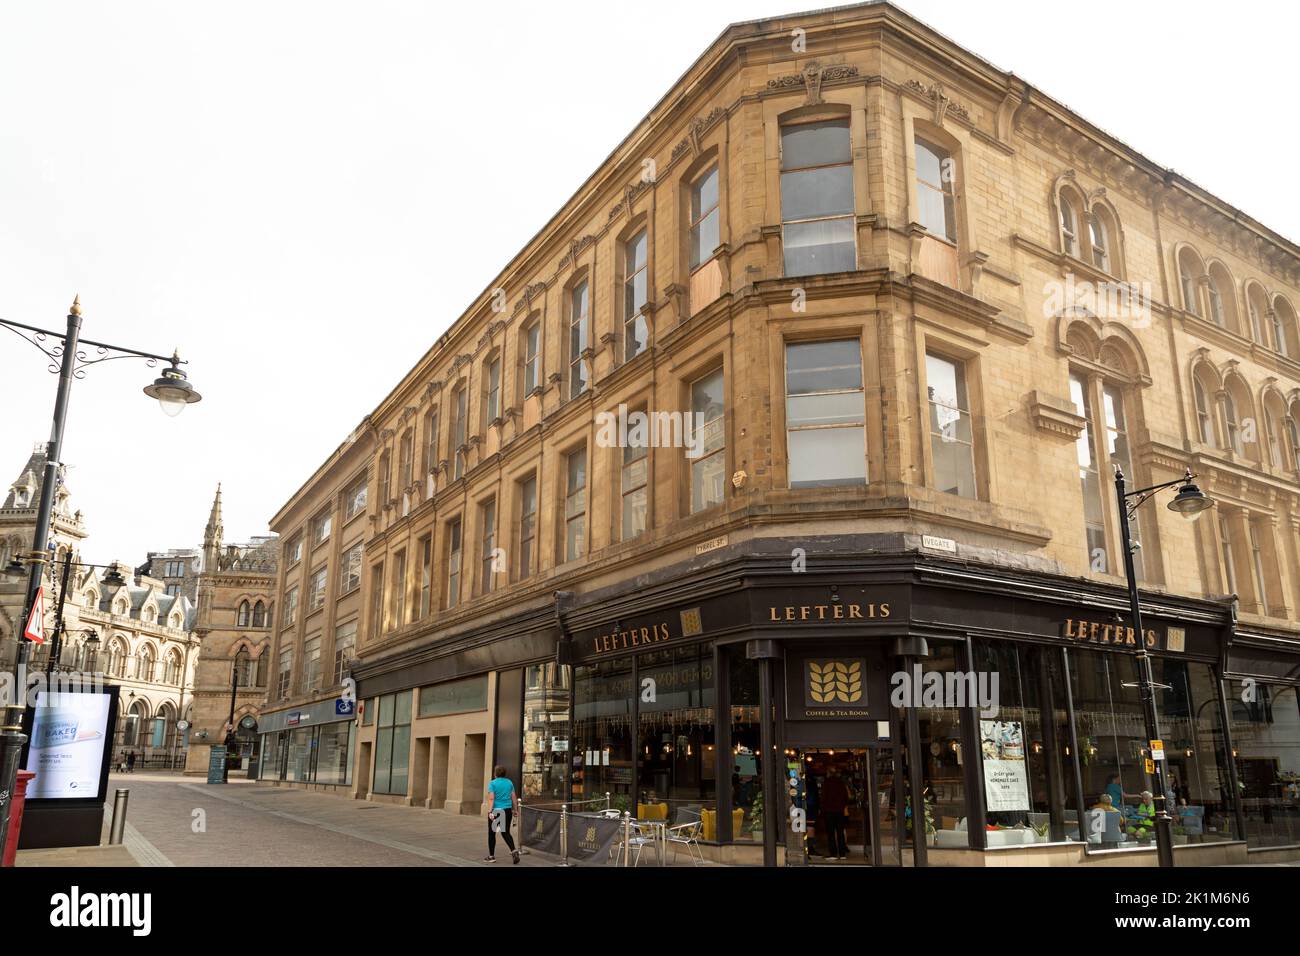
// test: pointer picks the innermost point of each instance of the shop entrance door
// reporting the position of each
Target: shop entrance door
(850, 798)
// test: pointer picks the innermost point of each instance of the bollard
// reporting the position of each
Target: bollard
(607, 800)
(118, 824)
(564, 834)
(627, 838)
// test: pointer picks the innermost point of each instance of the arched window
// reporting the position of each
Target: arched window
(1242, 434)
(1069, 223)
(1100, 237)
(144, 664)
(1189, 271)
(173, 673)
(259, 614)
(1230, 426)
(241, 619)
(1293, 438)
(117, 655)
(1284, 328)
(1223, 301)
(1256, 309)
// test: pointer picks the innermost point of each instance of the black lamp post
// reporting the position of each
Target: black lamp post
(231, 741)
(1190, 502)
(69, 359)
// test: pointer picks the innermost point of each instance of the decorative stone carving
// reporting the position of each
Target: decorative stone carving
(812, 78)
(697, 129)
(943, 104)
(575, 249)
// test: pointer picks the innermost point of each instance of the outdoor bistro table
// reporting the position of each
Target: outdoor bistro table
(660, 830)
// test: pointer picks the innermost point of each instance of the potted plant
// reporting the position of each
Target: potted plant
(1180, 835)
(931, 834)
(1040, 832)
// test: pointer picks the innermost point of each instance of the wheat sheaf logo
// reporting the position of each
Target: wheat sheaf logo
(835, 682)
(538, 829)
(591, 835)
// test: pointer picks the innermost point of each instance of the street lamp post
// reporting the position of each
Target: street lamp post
(69, 360)
(1190, 502)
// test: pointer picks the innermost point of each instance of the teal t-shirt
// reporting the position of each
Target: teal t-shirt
(502, 791)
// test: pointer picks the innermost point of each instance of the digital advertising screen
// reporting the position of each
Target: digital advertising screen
(70, 732)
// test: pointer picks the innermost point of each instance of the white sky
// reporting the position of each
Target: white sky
(303, 196)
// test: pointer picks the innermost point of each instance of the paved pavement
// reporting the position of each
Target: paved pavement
(174, 820)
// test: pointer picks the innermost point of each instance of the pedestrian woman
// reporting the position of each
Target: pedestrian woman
(502, 794)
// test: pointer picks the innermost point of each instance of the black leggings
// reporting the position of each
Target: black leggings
(505, 832)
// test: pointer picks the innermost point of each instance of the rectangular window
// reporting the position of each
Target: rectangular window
(532, 358)
(284, 673)
(492, 396)
(405, 459)
(1229, 567)
(705, 234)
(817, 198)
(934, 176)
(951, 439)
(635, 296)
(1257, 563)
(173, 589)
(453, 563)
(575, 505)
(527, 524)
(426, 575)
(385, 478)
(393, 743)
(320, 528)
(355, 498)
(293, 551)
(345, 646)
(1094, 521)
(825, 414)
(430, 454)
(376, 601)
(311, 664)
(316, 588)
(175, 569)
(458, 411)
(398, 584)
(350, 571)
(709, 442)
(578, 307)
(290, 606)
(635, 474)
(489, 545)
(454, 697)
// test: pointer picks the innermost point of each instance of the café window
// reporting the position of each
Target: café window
(817, 198)
(943, 760)
(1265, 724)
(393, 743)
(707, 455)
(603, 740)
(677, 776)
(746, 759)
(952, 445)
(546, 733)
(824, 414)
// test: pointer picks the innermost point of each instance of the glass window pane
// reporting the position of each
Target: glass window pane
(812, 193)
(822, 457)
(838, 408)
(817, 248)
(704, 239)
(815, 144)
(822, 366)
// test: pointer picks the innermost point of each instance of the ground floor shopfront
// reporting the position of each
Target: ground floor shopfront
(798, 716)
(309, 745)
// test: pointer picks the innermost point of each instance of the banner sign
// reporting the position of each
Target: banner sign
(592, 838)
(1006, 780)
(540, 830)
(69, 734)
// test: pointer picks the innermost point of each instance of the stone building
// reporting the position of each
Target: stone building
(236, 608)
(135, 633)
(308, 731)
(178, 569)
(893, 316)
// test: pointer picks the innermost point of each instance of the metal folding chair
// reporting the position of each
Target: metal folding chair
(687, 835)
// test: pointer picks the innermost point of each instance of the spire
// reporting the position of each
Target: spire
(213, 534)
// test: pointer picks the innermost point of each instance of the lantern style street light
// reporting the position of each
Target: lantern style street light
(69, 359)
(1191, 503)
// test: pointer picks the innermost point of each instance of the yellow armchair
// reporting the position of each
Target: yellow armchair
(652, 811)
(709, 819)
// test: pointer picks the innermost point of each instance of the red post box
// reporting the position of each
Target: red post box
(16, 817)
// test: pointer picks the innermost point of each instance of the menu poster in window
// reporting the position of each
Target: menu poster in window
(1006, 779)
